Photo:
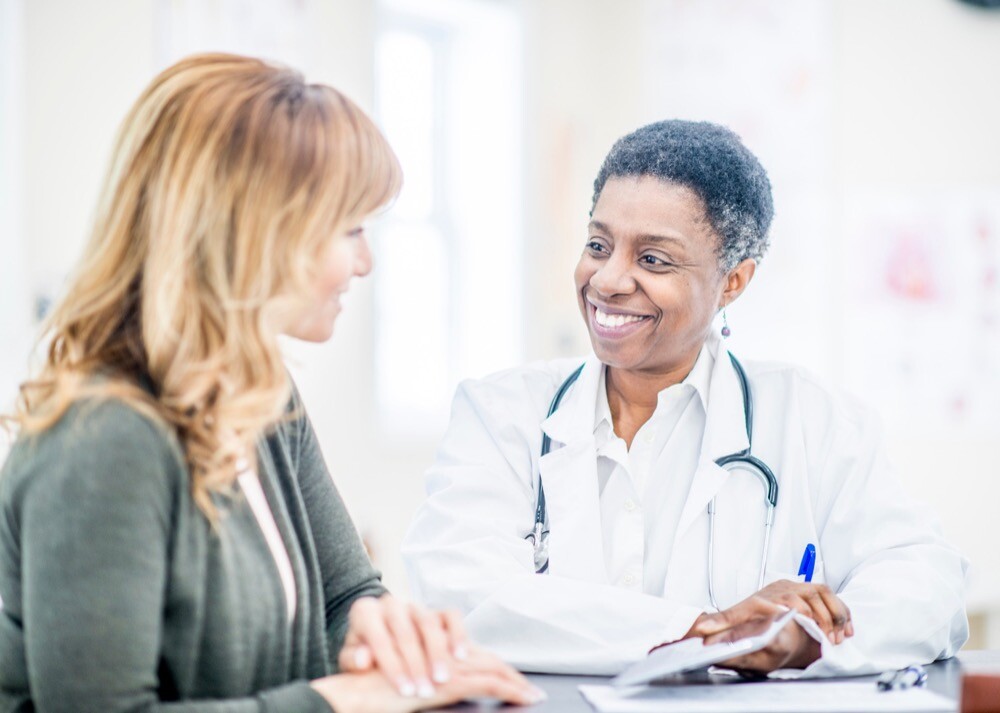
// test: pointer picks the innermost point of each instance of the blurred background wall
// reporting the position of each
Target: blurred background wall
(877, 120)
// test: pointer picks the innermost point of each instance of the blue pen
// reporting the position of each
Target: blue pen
(808, 564)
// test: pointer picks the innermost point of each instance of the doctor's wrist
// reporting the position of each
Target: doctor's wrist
(808, 650)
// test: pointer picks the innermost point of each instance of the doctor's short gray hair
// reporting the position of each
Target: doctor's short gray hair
(711, 161)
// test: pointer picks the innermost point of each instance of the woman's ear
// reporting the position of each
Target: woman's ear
(737, 280)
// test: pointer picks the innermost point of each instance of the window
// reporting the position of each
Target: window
(449, 253)
(15, 310)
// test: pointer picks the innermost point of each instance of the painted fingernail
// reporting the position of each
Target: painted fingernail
(461, 652)
(406, 687)
(832, 636)
(425, 689)
(362, 658)
(441, 674)
(538, 695)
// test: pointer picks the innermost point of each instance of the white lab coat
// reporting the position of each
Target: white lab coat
(881, 551)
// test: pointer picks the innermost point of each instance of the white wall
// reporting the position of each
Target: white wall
(86, 62)
(917, 111)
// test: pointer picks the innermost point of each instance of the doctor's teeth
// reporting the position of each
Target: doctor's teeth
(614, 320)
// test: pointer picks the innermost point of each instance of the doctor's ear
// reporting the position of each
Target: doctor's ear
(737, 280)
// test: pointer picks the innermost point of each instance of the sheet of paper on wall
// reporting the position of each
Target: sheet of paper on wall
(769, 697)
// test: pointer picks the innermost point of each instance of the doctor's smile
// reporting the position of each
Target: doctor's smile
(611, 323)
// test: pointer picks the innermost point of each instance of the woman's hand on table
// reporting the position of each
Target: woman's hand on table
(425, 655)
(479, 675)
(412, 646)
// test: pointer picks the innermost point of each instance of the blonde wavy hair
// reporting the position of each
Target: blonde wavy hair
(229, 177)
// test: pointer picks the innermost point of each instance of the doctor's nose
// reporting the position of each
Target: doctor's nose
(614, 276)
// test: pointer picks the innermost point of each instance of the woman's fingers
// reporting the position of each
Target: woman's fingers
(416, 648)
(355, 658)
(401, 623)
(368, 624)
(435, 642)
(489, 685)
(481, 661)
(458, 639)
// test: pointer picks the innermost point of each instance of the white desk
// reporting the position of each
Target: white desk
(943, 677)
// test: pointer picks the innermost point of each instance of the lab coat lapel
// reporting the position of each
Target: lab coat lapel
(569, 475)
(725, 433)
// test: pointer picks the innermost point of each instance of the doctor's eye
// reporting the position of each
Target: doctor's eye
(357, 232)
(597, 247)
(652, 261)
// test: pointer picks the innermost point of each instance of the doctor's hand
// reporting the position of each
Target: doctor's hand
(793, 647)
(413, 647)
(816, 601)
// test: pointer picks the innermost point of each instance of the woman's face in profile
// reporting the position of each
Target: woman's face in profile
(648, 282)
(343, 257)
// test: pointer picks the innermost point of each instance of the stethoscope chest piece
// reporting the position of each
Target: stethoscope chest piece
(539, 539)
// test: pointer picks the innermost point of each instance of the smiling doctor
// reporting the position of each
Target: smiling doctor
(581, 515)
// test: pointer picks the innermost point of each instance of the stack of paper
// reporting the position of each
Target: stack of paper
(769, 697)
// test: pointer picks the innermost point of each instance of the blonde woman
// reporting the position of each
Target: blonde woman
(170, 538)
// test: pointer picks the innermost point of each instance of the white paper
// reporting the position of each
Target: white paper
(692, 654)
(769, 697)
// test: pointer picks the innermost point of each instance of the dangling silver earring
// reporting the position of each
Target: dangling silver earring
(725, 324)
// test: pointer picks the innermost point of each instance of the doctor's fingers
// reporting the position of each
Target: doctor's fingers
(819, 603)
(743, 630)
(751, 611)
(840, 615)
(816, 601)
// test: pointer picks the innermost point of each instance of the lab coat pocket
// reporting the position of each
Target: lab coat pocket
(773, 575)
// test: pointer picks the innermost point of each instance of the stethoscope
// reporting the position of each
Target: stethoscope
(743, 460)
